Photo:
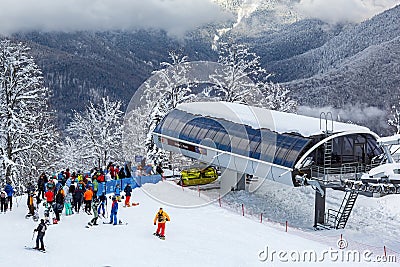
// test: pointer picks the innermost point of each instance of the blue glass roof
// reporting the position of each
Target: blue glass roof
(262, 144)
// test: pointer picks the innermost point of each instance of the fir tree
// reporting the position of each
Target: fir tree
(27, 131)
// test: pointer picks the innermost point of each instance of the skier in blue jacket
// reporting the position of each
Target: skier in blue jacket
(117, 193)
(114, 211)
(10, 191)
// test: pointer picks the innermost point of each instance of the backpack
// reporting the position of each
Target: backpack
(160, 216)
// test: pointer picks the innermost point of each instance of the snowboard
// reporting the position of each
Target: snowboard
(160, 237)
(30, 248)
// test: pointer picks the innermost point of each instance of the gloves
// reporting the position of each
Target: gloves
(35, 230)
(154, 223)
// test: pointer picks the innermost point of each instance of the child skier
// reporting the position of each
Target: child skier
(161, 217)
(114, 210)
(41, 230)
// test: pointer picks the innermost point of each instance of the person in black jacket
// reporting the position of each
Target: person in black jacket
(78, 197)
(40, 184)
(128, 194)
(58, 205)
(41, 230)
(121, 174)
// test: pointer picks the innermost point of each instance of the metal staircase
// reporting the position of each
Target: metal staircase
(341, 217)
(345, 210)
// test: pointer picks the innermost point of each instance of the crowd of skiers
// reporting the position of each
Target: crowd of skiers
(70, 191)
(66, 191)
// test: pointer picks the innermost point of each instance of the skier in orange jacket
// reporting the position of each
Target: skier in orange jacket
(88, 196)
(161, 217)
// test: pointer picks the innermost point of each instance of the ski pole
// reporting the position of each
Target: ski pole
(16, 201)
(33, 235)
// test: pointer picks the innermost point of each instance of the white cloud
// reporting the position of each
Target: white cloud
(333, 11)
(359, 114)
(174, 16)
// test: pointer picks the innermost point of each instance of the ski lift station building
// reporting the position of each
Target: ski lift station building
(264, 143)
(288, 148)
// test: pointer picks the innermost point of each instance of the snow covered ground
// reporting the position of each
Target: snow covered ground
(207, 235)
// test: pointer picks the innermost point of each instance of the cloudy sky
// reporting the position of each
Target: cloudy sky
(334, 11)
(174, 16)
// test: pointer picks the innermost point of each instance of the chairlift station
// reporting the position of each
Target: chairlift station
(284, 147)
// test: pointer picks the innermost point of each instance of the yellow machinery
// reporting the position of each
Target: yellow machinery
(198, 176)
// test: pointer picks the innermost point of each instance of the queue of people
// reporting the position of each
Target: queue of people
(73, 192)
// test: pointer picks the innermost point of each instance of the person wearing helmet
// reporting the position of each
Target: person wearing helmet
(161, 217)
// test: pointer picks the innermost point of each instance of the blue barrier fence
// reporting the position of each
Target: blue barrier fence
(138, 181)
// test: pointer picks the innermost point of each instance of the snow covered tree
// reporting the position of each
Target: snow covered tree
(48, 141)
(394, 119)
(98, 132)
(169, 88)
(25, 119)
(135, 133)
(233, 82)
(276, 97)
(71, 155)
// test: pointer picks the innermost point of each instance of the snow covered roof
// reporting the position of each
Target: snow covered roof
(390, 140)
(258, 118)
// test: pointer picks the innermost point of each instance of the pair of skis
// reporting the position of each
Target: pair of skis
(35, 249)
(132, 205)
(89, 225)
(119, 223)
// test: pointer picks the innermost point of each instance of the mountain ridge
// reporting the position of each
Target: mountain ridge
(322, 64)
